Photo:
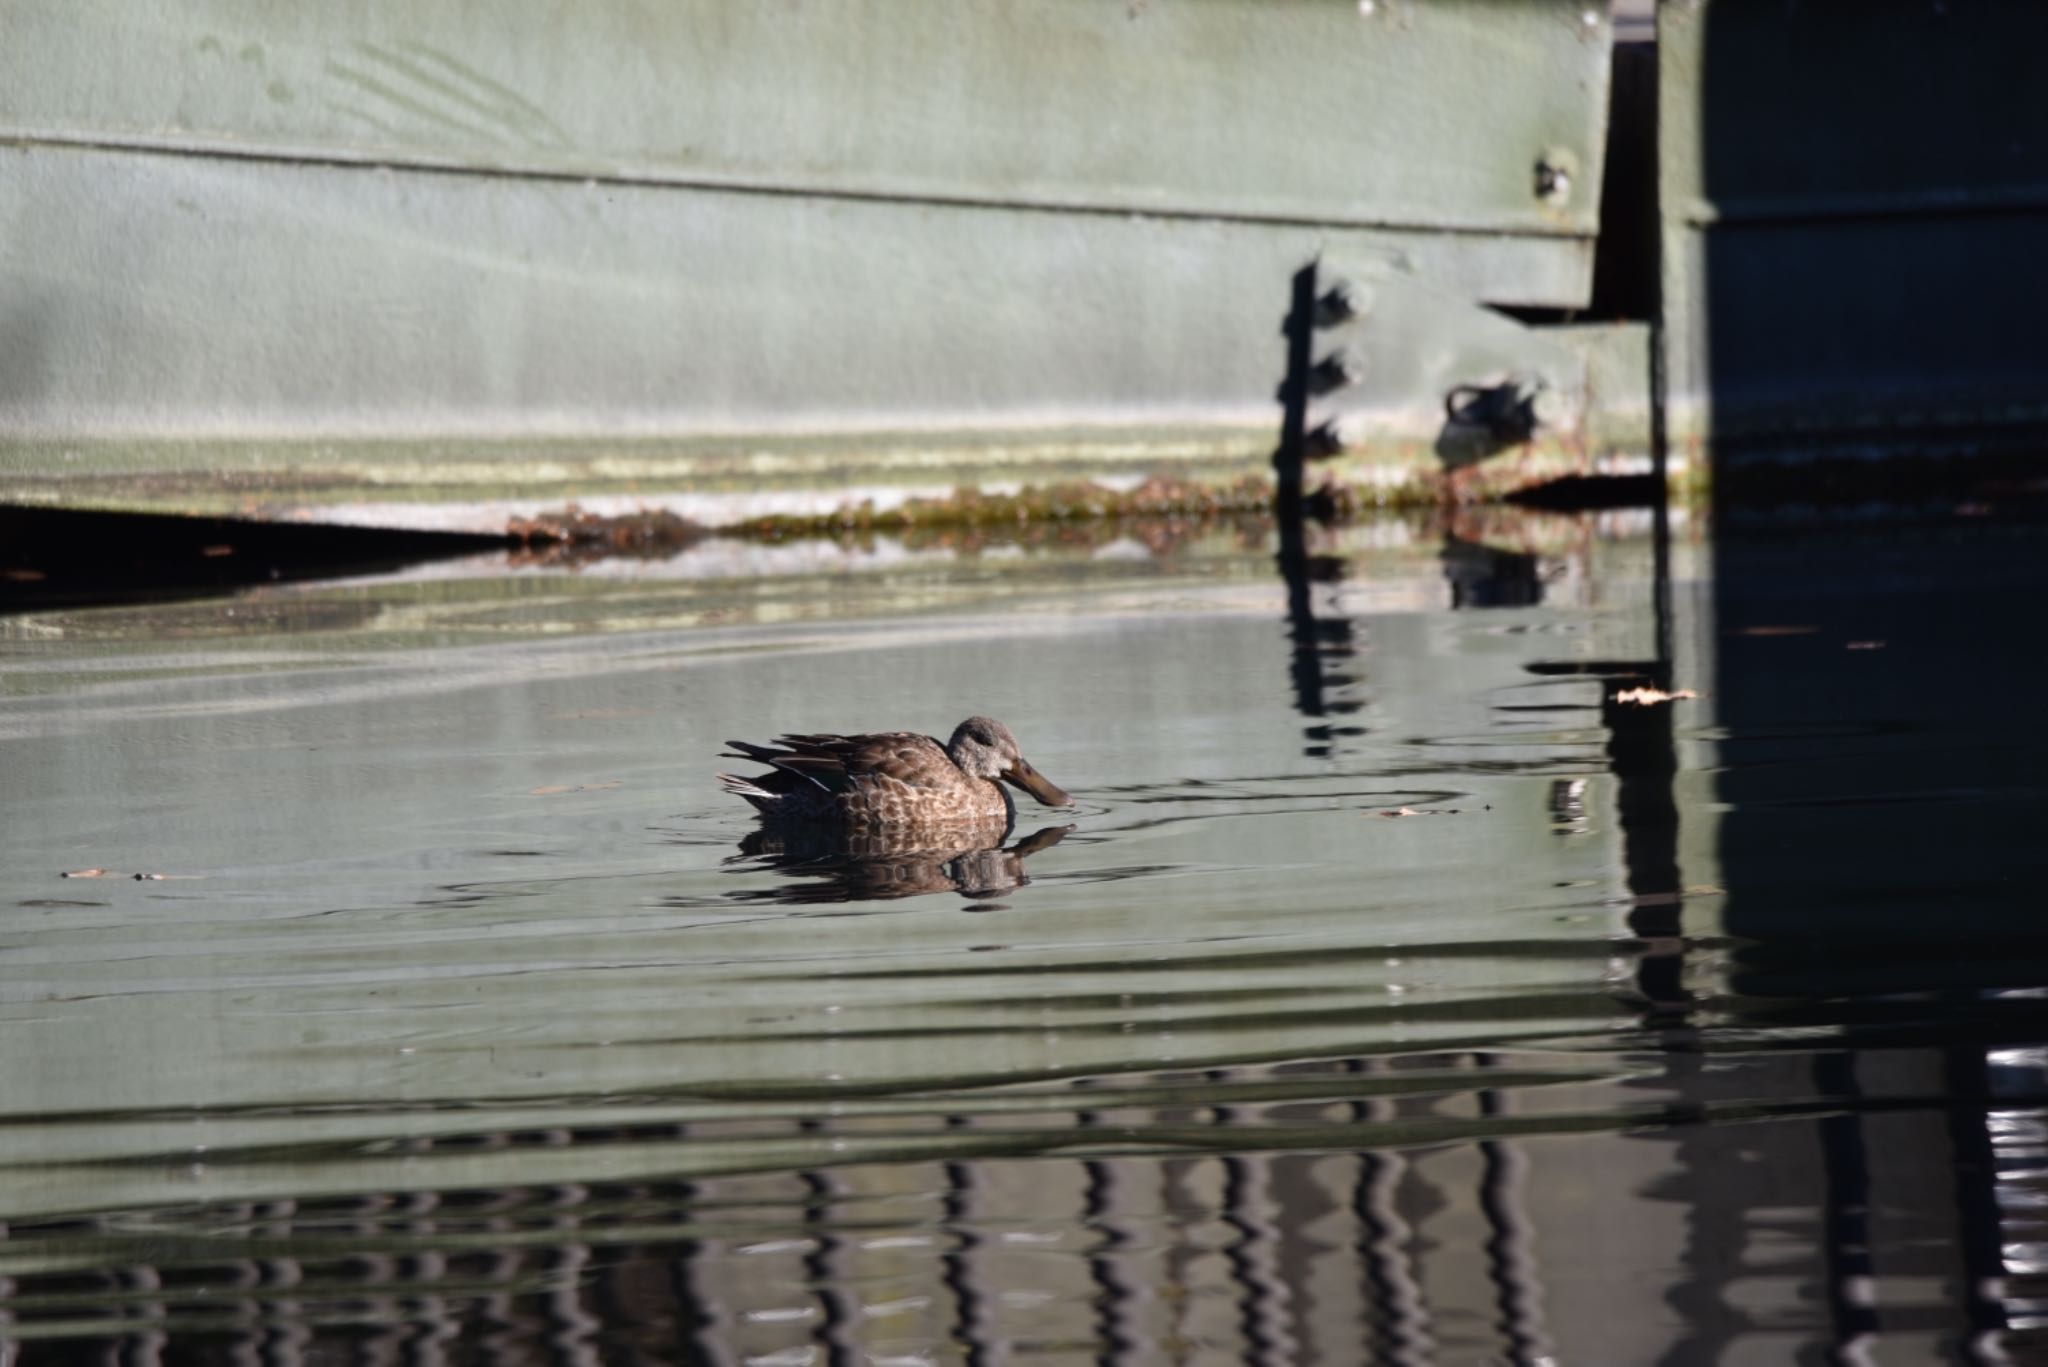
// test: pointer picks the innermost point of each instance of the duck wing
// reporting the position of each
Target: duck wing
(839, 764)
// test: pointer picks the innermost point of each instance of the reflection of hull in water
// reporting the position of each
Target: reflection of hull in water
(902, 861)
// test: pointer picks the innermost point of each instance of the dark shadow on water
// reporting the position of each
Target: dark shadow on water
(1883, 771)
(1322, 644)
(1483, 576)
(1887, 881)
(58, 557)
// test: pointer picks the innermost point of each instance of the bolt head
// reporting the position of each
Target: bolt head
(1340, 369)
(1555, 170)
(1338, 435)
(1343, 301)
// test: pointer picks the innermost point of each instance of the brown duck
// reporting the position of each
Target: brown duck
(891, 778)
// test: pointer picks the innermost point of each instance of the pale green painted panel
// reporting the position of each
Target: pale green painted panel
(146, 296)
(1411, 346)
(246, 240)
(1418, 113)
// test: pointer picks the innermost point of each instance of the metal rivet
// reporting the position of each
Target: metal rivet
(1342, 302)
(1556, 169)
(1338, 370)
(1333, 438)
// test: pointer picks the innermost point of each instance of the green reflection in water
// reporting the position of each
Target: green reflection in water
(459, 1010)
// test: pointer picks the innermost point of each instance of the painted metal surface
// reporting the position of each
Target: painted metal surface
(1392, 362)
(1851, 245)
(1403, 113)
(177, 297)
(277, 258)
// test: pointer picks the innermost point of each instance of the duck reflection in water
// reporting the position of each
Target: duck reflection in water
(863, 866)
(894, 813)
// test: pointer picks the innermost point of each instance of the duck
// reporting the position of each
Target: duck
(891, 779)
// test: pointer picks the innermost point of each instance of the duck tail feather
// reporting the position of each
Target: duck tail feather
(760, 754)
(762, 799)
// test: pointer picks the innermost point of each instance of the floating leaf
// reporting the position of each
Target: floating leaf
(1649, 697)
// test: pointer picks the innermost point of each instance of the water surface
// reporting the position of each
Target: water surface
(1401, 992)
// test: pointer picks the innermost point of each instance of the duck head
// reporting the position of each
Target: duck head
(984, 748)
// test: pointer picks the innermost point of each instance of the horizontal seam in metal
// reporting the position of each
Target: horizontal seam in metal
(331, 159)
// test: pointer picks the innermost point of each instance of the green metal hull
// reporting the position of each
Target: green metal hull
(294, 256)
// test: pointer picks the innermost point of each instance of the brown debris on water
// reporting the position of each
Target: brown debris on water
(573, 535)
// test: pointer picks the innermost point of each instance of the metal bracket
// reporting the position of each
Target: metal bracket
(1392, 360)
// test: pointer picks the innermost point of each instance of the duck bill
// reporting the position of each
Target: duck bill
(1037, 784)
